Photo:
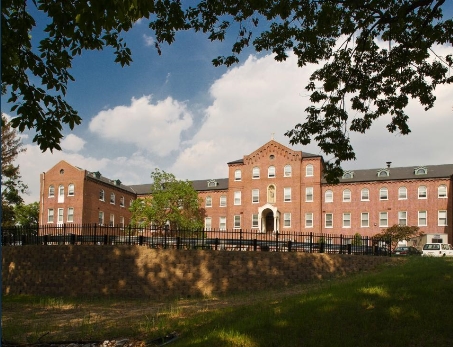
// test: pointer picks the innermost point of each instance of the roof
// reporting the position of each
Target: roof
(96, 176)
(399, 173)
(198, 185)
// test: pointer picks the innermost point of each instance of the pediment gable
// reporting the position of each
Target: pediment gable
(272, 148)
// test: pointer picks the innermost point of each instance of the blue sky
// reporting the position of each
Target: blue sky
(181, 114)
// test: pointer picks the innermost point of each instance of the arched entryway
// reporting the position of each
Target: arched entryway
(268, 218)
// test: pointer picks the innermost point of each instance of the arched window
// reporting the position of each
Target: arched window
(442, 191)
(208, 202)
(309, 170)
(112, 198)
(383, 194)
(422, 192)
(61, 193)
(271, 172)
(365, 194)
(402, 193)
(237, 175)
(328, 196)
(383, 173)
(346, 195)
(287, 171)
(71, 189)
(271, 194)
(256, 172)
(122, 201)
(51, 191)
(101, 195)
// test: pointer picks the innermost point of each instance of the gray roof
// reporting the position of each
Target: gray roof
(114, 183)
(399, 173)
(198, 185)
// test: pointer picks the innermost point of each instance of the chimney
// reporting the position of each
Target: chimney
(388, 164)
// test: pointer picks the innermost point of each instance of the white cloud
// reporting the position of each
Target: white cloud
(72, 143)
(149, 40)
(155, 128)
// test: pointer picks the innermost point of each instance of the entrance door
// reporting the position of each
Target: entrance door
(270, 222)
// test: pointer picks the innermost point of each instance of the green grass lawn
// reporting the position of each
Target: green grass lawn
(409, 304)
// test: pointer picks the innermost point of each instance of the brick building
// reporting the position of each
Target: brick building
(276, 188)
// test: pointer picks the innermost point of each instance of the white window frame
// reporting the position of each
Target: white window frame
(222, 223)
(101, 217)
(287, 194)
(328, 220)
(70, 216)
(255, 221)
(71, 189)
(347, 220)
(365, 194)
(383, 219)
(271, 172)
(287, 220)
(328, 196)
(112, 198)
(442, 191)
(442, 218)
(121, 222)
(122, 201)
(402, 218)
(309, 170)
(402, 193)
(208, 201)
(237, 198)
(101, 195)
(51, 191)
(287, 171)
(309, 219)
(422, 192)
(60, 217)
(383, 194)
(347, 195)
(223, 201)
(111, 220)
(309, 194)
(237, 175)
(256, 173)
(237, 221)
(50, 215)
(208, 223)
(364, 222)
(422, 215)
(61, 193)
(255, 196)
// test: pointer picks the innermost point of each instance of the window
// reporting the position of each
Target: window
(208, 202)
(122, 201)
(131, 201)
(271, 194)
(383, 219)
(223, 200)
(208, 223)
(222, 223)
(442, 191)
(346, 195)
(121, 221)
(237, 221)
(256, 172)
(348, 175)
(237, 175)
(237, 198)
(309, 220)
(71, 190)
(329, 220)
(286, 220)
(112, 220)
(309, 194)
(442, 218)
(112, 198)
(383, 194)
(402, 193)
(287, 171)
(70, 217)
(271, 172)
(347, 220)
(255, 195)
(101, 195)
(254, 221)
(61, 193)
(421, 171)
(309, 170)
(287, 194)
(365, 194)
(422, 192)
(402, 218)
(51, 191)
(329, 196)
(50, 215)
(101, 218)
(422, 218)
(383, 173)
(364, 220)
(60, 216)
(212, 183)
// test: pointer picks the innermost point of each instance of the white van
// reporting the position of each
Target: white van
(437, 250)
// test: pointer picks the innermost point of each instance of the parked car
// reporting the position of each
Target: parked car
(406, 250)
(437, 250)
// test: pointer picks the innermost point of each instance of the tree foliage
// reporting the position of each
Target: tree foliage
(374, 56)
(12, 184)
(397, 233)
(26, 215)
(170, 201)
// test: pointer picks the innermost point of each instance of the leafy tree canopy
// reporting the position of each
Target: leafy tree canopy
(27, 215)
(170, 201)
(374, 55)
(398, 233)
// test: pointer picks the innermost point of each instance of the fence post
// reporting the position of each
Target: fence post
(311, 242)
(216, 243)
(276, 241)
(73, 237)
(255, 244)
(289, 245)
(95, 234)
(140, 240)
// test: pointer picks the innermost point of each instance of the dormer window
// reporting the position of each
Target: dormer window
(97, 174)
(383, 173)
(212, 183)
(348, 174)
(421, 171)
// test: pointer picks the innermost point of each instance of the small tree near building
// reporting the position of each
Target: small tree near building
(397, 233)
(171, 202)
(27, 215)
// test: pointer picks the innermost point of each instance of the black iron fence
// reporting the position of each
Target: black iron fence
(228, 240)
